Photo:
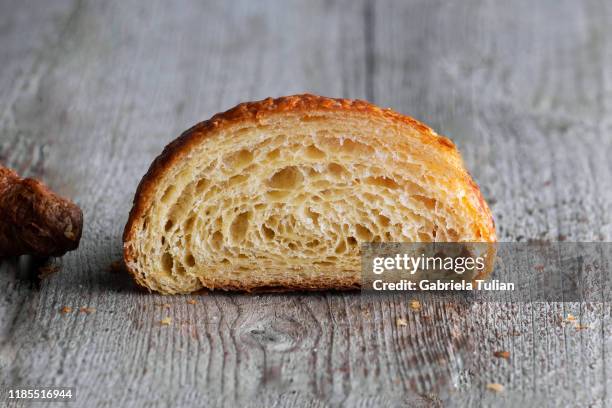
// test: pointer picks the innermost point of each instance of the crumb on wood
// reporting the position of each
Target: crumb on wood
(415, 305)
(502, 354)
(191, 301)
(164, 305)
(570, 318)
(165, 321)
(495, 387)
(47, 270)
(86, 309)
(401, 322)
(66, 310)
(455, 333)
(582, 326)
(116, 267)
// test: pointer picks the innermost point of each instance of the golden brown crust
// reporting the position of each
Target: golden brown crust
(256, 111)
(311, 285)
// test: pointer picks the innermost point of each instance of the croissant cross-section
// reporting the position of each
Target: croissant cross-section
(281, 193)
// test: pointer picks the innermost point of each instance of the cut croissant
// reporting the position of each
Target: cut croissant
(280, 193)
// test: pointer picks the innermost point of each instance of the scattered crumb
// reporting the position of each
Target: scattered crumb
(582, 326)
(455, 333)
(116, 266)
(570, 318)
(415, 305)
(401, 322)
(165, 321)
(66, 309)
(87, 310)
(163, 305)
(502, 354)
(191, 301)
(495, 387)
(45, 271)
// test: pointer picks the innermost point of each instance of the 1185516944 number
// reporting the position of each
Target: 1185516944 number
(40, 393)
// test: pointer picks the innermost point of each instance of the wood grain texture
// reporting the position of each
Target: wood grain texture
(91, 91)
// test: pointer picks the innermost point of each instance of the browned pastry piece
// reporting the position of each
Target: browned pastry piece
(34, 220)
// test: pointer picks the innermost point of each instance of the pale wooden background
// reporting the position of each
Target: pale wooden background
(90, 92)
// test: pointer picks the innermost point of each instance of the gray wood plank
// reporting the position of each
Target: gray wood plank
(94, 90)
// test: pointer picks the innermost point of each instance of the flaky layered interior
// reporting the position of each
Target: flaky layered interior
(287, 201)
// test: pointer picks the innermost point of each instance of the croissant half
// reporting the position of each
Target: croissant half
(280, 193)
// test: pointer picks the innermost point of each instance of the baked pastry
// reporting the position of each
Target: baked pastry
(280, 193)
(34, 220)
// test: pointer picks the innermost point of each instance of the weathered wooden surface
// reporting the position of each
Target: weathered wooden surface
(91, 91)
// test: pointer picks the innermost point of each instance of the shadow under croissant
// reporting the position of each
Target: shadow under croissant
(23, 269)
